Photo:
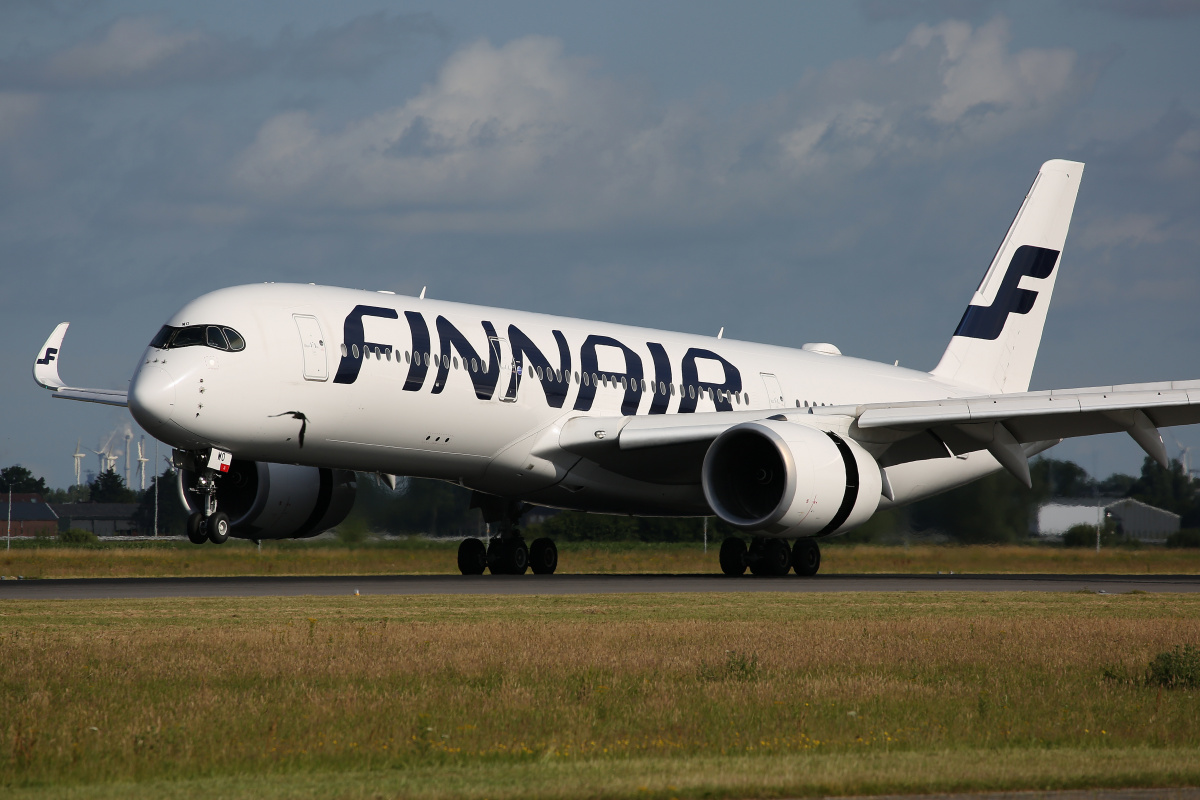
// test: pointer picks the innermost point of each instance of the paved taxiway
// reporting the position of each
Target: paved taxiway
(288, 586)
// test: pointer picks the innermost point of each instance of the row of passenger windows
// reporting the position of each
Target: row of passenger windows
(447, 361)
(218, 337)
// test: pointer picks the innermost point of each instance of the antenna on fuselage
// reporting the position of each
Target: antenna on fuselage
(423, 288)
(721, 332)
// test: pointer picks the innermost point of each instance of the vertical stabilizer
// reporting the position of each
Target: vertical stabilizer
(996, 343)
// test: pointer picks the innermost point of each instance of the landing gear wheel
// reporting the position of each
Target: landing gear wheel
(733, 556)
(218, 527)
(543, 556)
(195, 529)
(508, 557)
(806, 557)
(472, 557)
(770, 557)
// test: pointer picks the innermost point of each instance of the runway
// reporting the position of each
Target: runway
(329, 586)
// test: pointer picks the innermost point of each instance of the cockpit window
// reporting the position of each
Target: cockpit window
(236, 342)
(187, 337)
(214, 336)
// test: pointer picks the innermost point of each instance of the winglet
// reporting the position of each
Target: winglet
(45, 372)
(45, 367)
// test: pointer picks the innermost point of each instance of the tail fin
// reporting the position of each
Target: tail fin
(996, 342)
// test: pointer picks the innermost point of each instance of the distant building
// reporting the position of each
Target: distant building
(1143, 522)
(1133, 518)
(30, 516)
(102, 519)
(1061, 514)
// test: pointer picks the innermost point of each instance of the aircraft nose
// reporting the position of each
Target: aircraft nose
(152, 397)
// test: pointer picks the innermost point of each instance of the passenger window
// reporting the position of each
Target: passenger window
(345, 352)
(455, 360)
(672, 388)
(692, 392)
(354, 350)
(474, 365)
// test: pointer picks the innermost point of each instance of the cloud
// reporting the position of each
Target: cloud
(522, 135)
(1144, 9)
(18, 112)
(883, 10)
(357, 47)
(148, 52)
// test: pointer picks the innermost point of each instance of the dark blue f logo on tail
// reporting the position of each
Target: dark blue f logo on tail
(986, 322)
(50, 353)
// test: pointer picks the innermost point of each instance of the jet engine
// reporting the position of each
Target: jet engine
(787, 480)
(276, 501)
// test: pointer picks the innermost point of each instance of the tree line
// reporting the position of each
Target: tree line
(995, 509)
(107, 487)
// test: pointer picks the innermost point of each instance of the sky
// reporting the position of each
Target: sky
(793, 172)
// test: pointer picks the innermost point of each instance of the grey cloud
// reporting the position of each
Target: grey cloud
(886, 10)
(357, 47)
(1143, 9)
(149, 53)
(522, 136)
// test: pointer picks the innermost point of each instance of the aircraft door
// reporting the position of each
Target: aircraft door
(774, 390)
(504, 359)
(312, 342)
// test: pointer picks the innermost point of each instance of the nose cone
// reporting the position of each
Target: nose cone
(152, 397)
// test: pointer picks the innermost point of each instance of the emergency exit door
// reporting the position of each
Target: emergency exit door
(774, 390)
(316, 368)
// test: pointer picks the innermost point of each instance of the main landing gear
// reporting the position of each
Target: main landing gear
(770, 556)
(506, 552)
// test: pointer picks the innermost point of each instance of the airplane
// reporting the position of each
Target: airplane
(274, 396)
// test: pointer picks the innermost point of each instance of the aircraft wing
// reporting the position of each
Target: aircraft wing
(45, 372)
(908, 431)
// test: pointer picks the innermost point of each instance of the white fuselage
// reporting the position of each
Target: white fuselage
(491, 424)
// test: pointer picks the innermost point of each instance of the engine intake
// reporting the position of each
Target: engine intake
(277, 501)
(787, 480)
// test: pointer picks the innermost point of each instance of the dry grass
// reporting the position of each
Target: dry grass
(714, 695)
(287, 558)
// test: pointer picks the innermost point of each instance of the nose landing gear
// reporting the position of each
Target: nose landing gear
(207, 524)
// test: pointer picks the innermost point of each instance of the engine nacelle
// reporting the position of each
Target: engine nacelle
(787, 480)
(276, 501)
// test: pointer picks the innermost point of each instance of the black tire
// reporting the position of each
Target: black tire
(773, 557)
(518, 557)
(733, 556)
(806, 557)
(472, 557)
(508, 557)
(543, 556)
(218, 527)
(195, 529)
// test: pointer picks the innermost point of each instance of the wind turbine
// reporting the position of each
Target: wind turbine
(102, 454)
(142, 462)
(128, 459)
(79, 456)
(1184, 459)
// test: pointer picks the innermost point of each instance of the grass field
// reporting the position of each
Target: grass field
(418, 556)
(634, 696)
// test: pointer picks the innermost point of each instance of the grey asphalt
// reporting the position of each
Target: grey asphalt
(292, 586)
